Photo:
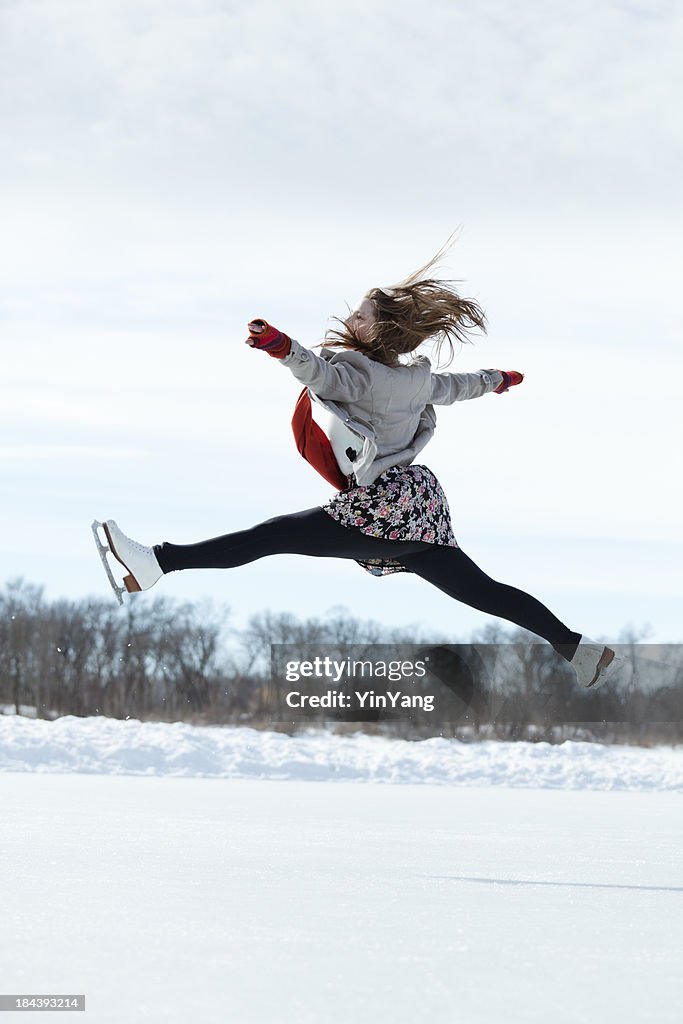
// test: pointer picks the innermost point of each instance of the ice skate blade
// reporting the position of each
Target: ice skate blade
(129, 582)
(103, 551)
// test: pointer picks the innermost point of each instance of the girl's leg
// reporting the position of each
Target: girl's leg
(312, 532)
(452, 571)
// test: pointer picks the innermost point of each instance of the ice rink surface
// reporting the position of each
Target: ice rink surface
(182, 900)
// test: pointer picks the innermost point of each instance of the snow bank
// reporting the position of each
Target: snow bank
(112, 747)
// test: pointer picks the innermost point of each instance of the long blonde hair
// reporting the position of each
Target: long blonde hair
(410, 313)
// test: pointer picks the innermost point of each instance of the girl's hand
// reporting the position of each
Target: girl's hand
(510, 378)
(262, 335)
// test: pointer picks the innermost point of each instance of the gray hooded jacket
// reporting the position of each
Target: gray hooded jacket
(390, 409)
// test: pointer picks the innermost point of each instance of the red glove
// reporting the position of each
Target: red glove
(510, 378)
(269, 339)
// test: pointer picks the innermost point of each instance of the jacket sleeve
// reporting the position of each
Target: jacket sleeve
(458, 387)
(339, 378)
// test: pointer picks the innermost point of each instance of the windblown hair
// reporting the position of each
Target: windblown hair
(410, 313)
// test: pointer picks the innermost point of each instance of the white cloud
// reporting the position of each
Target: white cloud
(59, 452)
(368, 104)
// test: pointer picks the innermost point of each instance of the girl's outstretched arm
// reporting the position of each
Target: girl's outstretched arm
(458, 387)
(342, 377)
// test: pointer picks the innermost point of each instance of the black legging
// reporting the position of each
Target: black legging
(314, 532)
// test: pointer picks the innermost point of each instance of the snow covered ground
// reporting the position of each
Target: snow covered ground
(292, 883)
(110, 746)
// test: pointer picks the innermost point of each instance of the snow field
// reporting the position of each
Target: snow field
(109, 746)
(291, 883)
(182, 900)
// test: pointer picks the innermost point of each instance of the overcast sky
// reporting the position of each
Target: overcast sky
(172, 169)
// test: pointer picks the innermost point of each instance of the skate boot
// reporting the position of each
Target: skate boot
(594, 663)
(140, 561)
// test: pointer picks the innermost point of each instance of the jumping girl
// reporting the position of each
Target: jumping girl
(390, 514)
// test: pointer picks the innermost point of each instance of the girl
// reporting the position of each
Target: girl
(391, 514)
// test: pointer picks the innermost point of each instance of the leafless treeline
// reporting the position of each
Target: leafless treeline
(153, 658)
(157, 658)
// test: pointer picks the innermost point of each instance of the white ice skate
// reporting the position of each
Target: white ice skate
(594, 663)
(139, 560)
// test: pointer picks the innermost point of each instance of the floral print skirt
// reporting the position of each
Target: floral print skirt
(404, 503)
